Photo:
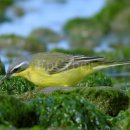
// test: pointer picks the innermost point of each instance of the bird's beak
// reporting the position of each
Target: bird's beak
(4, 78)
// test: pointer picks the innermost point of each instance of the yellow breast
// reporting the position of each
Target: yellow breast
(66, 78)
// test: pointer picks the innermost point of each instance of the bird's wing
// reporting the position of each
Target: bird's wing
(58, 62)
(74, 62)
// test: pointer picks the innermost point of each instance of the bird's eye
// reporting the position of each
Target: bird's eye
(15, 70)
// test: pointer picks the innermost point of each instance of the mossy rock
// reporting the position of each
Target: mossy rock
(109, 100)
(16, 85)
(45, 35)
(95, 80)
(15, 112)
(122, 121)
(63, 110)
(15, 44)
(83, 33)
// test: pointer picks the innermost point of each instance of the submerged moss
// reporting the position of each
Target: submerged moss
(16, 85)
(63, 110)
(96, 79)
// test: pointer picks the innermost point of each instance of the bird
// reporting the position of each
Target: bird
(57, 69)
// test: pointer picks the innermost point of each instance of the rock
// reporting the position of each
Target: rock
(16, 45)
(45, 35)
(83, 33)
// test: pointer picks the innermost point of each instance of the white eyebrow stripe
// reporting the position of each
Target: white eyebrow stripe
(24, 62)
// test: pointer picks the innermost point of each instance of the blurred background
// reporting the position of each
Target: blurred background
(98, 27)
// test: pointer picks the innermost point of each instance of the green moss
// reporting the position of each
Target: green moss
(122, 121)
(16, 85)
(109, 100)
(51, 128)
(63, 110)
(95, 80)
(15, 112)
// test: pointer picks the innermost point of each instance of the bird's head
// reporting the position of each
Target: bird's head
(17, 66)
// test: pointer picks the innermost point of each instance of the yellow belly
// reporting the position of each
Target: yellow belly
(66, 78)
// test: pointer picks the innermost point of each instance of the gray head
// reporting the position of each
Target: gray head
(18, 65)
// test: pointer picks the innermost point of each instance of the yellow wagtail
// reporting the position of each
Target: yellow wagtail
(57, 69)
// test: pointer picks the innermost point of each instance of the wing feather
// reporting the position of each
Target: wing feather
(74, 62)
(57, 62)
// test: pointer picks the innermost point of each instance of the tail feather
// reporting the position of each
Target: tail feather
(111, 64)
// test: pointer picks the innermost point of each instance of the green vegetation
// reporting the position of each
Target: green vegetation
(15, 112)
(106, 99)
(95, 80)
(65, 110)
(16, 86)
(61, 109)
(96, 103)
(122, 121)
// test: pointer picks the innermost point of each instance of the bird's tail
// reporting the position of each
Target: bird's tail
(110, 64)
